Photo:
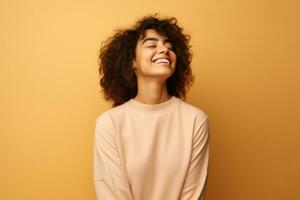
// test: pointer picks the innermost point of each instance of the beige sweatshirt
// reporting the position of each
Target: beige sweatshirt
(151, 151)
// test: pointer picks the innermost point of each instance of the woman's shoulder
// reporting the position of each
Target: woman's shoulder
(112, 113)
(192, 109)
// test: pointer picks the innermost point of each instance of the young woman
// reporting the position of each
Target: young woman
(151, 145)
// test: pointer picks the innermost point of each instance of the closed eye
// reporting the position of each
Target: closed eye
(152, 46)
(169, 45)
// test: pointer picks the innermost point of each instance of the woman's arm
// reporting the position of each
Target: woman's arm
(194, 185)
(110, 177)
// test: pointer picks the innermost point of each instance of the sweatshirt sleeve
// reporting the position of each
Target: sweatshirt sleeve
(195, 181)
(110, 177)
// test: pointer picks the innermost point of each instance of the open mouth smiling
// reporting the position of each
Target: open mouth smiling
(161, 60)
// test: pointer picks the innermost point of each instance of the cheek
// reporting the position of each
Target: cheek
(147, 56)
(174, 57)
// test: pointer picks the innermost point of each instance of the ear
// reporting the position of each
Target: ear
(133, 64)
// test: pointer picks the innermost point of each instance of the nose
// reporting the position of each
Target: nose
(163, 49)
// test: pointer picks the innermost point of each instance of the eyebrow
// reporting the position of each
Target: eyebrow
(155, 39)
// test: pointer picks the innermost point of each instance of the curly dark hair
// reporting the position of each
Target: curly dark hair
(119, 82)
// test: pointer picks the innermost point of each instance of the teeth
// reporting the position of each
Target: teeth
(162, 60)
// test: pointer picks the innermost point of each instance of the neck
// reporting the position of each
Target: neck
(152, 93)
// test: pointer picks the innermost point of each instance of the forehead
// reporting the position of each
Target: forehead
(152, 33)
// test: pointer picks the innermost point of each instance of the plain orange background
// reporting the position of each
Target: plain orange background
(246, 65)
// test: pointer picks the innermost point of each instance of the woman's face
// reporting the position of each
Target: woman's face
(155, 57)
